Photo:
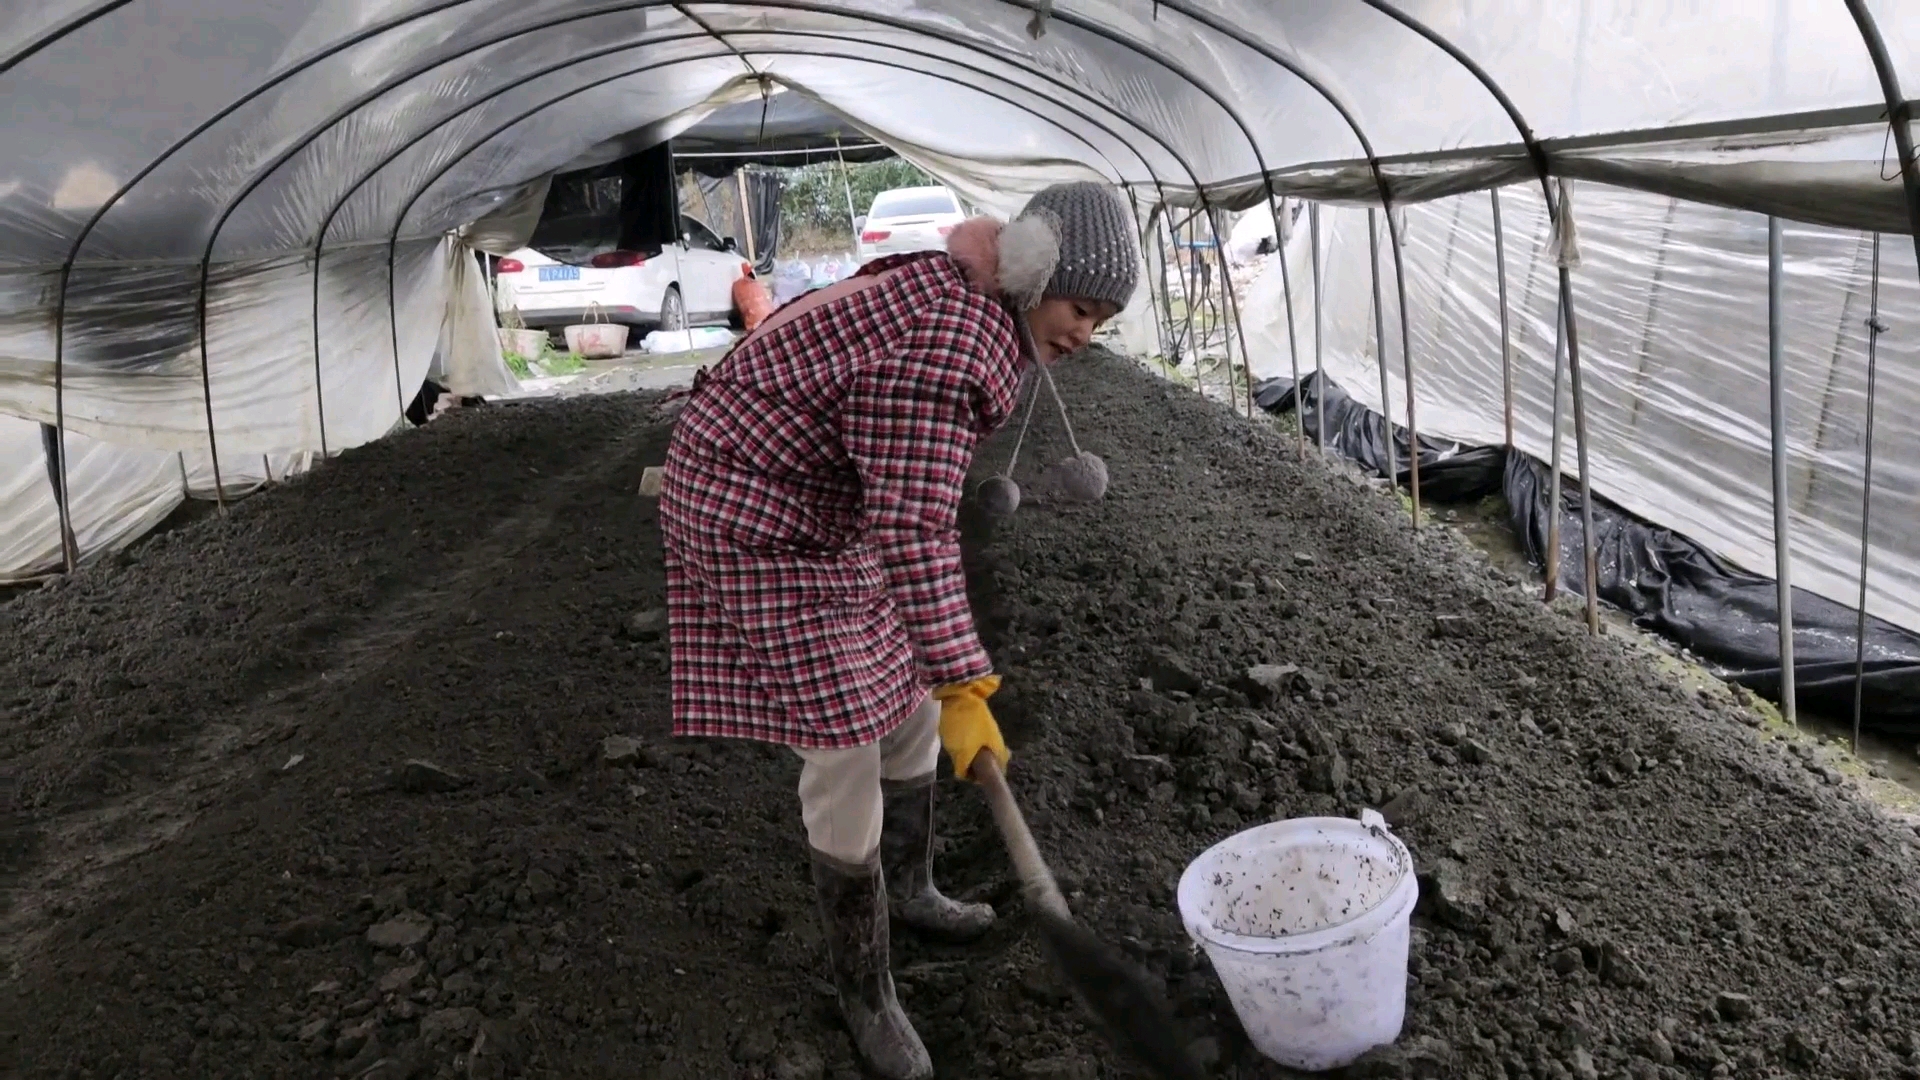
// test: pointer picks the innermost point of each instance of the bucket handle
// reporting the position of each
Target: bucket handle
(594, 314)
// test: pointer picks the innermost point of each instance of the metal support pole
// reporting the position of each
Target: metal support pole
(1380, 345)
(1159, 329)
(1406, 363)
(1588, 556)
(1319, 328)
(1874, 330)
(846, 183)
(67, 556)
(1233, 312)
(1777, 411)
(1155, 255)
(393, 317)
(1192, 333)
(1175, 331)
(1293, 342)
(1506, 325)
(53, 444)
(1554, 455)
(1200, 267)
(319, 392)
(206, 388)
(746, 215)
(1562, 209)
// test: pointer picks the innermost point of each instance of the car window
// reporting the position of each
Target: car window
(890, 204)
(699, 236)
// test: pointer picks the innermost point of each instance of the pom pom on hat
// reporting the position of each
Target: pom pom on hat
(1081, 478)
(999, 496)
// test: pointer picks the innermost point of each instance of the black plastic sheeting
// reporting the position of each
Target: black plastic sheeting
(1669, 584)
(763, 204)
(627, 205)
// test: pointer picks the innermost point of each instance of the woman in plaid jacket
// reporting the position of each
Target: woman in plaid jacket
(814, 588)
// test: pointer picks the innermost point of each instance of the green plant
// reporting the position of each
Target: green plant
(555, 362)
(518, 365)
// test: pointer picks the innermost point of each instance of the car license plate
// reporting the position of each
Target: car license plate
(559, 273)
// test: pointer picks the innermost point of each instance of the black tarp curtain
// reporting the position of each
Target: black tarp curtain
(763, 204)
(1667, 583)
(632, 205)
(626, 205)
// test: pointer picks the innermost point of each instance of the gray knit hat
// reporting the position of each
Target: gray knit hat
(1094, 256)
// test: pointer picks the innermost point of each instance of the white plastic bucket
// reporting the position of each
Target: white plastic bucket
(1306, 923)
(528, 344)
(597, 340)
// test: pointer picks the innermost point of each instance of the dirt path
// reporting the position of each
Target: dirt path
(221, 864)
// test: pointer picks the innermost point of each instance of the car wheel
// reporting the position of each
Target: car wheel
(673, 311)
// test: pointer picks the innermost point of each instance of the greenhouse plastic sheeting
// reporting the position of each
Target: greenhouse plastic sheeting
(337, 100)
(1671, 302)
(470, 363)
(116, 496)
(1669, 584)
(134, 371)
(119, 493)
(288, 154)
(509, 225)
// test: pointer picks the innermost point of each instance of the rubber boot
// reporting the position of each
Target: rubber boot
(853, 907)
(906, 850)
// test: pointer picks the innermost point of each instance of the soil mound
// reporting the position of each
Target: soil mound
(372, 780)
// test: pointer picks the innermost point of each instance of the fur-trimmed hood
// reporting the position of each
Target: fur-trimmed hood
(1012, 260)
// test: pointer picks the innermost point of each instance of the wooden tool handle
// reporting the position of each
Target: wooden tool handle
(1034, 875)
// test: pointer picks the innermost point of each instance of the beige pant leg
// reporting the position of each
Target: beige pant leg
(912, 750)
(840, 801)
(840, 789)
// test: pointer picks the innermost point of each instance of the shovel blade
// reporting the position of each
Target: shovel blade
(1125, 1001)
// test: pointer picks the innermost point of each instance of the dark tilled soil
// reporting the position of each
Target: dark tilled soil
(327, 789)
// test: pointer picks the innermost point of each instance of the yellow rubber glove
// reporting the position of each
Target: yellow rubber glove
(967, 725)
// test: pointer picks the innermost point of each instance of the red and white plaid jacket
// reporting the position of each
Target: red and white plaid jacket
(814, 590)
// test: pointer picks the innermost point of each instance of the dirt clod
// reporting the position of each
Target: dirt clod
(1452, 895)
(1733, 1008)
(620, 749)
(648, 625)
(404, 932)
(424, 778)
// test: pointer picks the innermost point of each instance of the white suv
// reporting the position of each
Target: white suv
(909, 219)
(690, 283)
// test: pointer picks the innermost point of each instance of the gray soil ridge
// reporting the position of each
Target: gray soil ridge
(373, 780)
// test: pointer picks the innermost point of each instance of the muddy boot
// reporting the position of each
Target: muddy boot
(906, 849)
(853, 907)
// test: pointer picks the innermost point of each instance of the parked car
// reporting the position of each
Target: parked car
(689, 283)
(908, 219)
